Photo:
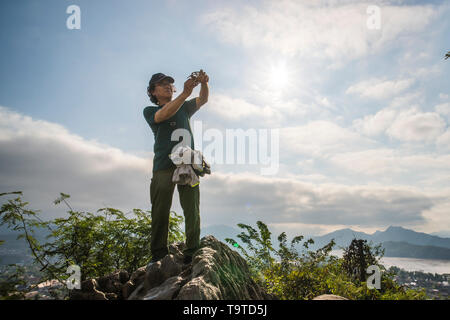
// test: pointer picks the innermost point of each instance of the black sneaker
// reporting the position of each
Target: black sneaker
(187, 259)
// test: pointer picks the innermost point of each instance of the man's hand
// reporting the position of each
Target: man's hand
(202, 77)
(189, 85)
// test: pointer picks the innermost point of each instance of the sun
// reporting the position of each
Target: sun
(278, 76)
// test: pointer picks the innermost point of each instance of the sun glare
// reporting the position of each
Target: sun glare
(278, 76)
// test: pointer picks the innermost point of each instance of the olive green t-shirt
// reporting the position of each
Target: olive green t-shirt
(162, 132)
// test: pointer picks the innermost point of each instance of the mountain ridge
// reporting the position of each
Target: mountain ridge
(392, 233)
(396, 240)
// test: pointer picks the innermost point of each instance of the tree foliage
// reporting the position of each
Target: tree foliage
(293, 274)
(98, 243)
(358, 256)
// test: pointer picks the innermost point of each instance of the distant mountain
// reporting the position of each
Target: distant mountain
(407, 250)
(397, 241)
(410, 236)
(442, 234)
(342, 238)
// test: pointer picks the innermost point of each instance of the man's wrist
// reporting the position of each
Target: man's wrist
(184, 95)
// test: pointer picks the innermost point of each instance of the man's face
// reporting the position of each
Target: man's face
(163, 89)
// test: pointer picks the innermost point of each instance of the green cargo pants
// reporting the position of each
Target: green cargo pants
(161, 194)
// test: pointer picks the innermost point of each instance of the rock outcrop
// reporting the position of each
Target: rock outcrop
(216, 273)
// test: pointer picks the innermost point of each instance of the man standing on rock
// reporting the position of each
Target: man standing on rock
(167, 116)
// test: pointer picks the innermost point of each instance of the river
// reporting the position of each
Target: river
(411, 264)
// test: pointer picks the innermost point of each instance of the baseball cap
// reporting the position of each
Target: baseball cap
(158, 77)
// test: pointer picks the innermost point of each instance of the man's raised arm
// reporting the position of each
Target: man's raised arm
(204, 89)
(171, 107)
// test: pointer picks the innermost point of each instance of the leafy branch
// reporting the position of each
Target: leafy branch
(16, 217)
(98, 243)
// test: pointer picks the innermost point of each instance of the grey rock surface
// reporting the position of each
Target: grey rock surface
(215, 273)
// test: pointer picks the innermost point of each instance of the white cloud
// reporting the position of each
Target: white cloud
(321, 138)
(443, 96)
(235, 110)
(394, 165)
(413, 125)
(380, 88)
(323, 29)
(424, 73)
(43, 159)
(373, 125)
(246, 197)
(410, 125)
(407, 100)
(369, 162)
(437, 217)
(443, 109)
(443, 141)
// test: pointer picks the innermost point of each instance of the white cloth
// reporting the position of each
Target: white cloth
(186, 161)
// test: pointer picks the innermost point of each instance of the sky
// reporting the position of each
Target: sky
(352, 97)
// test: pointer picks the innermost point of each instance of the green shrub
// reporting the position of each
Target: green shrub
(98, 243)
(295, 275)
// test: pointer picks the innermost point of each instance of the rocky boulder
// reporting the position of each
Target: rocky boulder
(215, 273)
(108, 287)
